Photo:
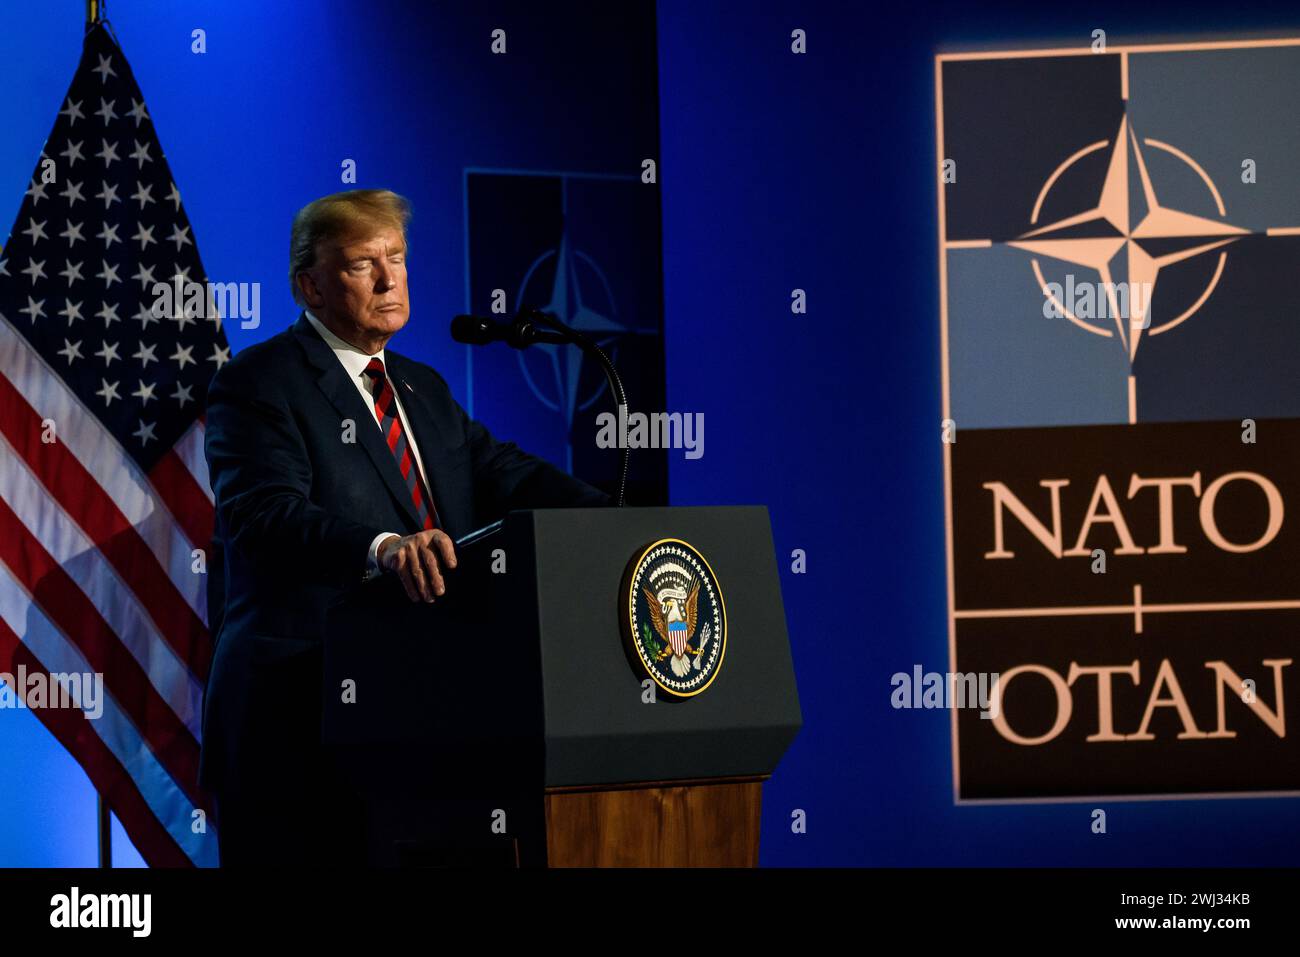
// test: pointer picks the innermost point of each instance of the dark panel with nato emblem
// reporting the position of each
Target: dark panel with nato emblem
(585, 248)
(1122, 370)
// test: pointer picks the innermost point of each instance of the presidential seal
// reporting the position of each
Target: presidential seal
(673, 617)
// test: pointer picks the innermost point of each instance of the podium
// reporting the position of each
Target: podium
(511, 722)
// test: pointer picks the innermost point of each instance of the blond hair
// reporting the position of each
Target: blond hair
(349, 215)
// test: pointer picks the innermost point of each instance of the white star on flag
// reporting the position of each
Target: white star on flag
(72, 193)
(108, 274)
(145, 432)
(71, 350)
(108, 392)
(108, 352)
(72, 232)
(72, 153)
(35, 308)
(105, 69)
(137, 111)
(108, 153)
(71, 310)
(73, 112)
(71, 271)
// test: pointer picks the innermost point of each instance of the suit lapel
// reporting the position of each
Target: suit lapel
(333, 380)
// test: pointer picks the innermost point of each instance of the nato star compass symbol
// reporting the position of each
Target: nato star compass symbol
(1128, 247)
(563, 363)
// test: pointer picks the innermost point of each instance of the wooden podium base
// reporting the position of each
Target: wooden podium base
(713, 822)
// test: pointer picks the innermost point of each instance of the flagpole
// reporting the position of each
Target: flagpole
(105, 833)
(103, 815)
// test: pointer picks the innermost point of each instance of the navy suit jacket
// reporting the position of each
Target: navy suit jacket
(297, 508)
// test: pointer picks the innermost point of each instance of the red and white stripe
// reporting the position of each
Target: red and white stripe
(99, 573)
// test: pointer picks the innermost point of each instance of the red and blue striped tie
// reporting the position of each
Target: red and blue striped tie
(391, 423)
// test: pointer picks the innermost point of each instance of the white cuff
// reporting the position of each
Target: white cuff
(372, 557)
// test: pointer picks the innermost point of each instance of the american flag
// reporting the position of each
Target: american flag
(105, 507)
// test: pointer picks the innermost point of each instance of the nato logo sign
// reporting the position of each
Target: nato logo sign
(584, 247)
(673, 619)
(1119, 233)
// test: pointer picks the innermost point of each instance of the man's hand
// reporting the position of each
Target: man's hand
(416, 561)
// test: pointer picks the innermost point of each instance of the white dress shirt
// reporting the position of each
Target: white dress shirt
(354, 362)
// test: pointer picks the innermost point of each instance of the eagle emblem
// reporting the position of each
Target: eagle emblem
(674, 618)
(673, 613)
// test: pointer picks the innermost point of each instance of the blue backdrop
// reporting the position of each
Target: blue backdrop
(777, 172)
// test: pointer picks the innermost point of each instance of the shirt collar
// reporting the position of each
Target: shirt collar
(353, 359)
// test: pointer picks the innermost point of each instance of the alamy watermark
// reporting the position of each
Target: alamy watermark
(932, 689)
(1099, 300)
(183, 299)
(657, 430)
(133, 912)
(82, 691)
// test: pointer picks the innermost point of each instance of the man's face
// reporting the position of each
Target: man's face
(358, 288)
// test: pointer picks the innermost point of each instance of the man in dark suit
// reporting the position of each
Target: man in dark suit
(333, 460)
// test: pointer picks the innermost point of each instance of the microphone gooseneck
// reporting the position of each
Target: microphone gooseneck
(532, 326)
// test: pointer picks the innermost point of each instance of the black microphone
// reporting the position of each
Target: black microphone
(521, 333)
(476, 331)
